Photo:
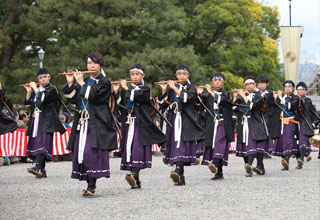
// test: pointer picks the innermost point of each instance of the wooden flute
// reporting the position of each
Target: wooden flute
(72, 72)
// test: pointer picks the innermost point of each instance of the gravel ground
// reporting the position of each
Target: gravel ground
(293, 194)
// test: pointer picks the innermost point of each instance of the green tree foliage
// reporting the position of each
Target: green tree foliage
(236, 37)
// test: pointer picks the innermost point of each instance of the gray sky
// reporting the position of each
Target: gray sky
(304, 13)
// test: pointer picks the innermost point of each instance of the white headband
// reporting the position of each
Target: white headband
(249, 81)
(288, 84)
(136, 69)
(217, 77)
(300, 87)
(43, 75)
(183, 70)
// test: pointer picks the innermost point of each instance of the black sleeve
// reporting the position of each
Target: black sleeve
(141, 95)
(189, 94)
(71, 93)
(98, 93)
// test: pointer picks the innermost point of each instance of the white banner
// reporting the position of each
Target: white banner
(291, 39)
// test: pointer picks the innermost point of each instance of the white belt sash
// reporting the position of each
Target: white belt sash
(130, 137)
(178, 128)
(36, 122)
(245, 130)
(83, 134)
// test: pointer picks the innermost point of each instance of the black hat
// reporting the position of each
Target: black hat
(218, 75)
(95, 57)
(248, 78)
(301, 84)
(288, 82)
(262, 78)
(42, 71)
(182, 67)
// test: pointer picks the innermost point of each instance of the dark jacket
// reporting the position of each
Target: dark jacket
(50, 119)
(149, 132)
(102, 127)
(257, 126)
(191, 130)
(226, 107)
(7, 124)
(305, 106)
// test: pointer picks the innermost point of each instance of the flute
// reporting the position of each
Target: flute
(201, 87)
(72, 72)
(166, 82)
(28, 84)
(118, 82)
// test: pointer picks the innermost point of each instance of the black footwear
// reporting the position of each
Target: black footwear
(35, 171)
(181, 182)
(175, 177)
(299, 167)
(131, 181)
(89, 192)
(285, 164)
(217, 177)
(257, 171)
(44, 174)
(213, 168)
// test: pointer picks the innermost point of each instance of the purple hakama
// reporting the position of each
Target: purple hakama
(141, 156)
(95, 162)
(185, 153)
(287, 142)
(221, 147)
(42, 143)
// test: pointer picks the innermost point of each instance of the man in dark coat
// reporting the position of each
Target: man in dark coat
(251, 131)
(138, 129)
(179, 100)
(7, 123)
(93, 132)
(219, 130)
(44, 122)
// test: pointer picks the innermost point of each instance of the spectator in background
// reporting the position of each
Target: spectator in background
(22, 120)
(63, 121)
(68, 118)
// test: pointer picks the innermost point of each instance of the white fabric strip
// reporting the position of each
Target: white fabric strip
(36, 122)
(245, 130)
(86, 96)
(136, 69)
(132, 95)
(249, 81)
(178, 128)
(42, 97)
(70, 95)
(216, 123)
(130, 139)
(185, 96)
(83, 134)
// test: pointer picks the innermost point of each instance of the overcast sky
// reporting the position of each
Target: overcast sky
(305, 13)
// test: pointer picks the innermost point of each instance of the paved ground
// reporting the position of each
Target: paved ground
(277, 195)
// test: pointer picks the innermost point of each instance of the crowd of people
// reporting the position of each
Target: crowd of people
(193, 121)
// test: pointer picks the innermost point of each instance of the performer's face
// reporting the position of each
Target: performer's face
(136, 76)
(182, 75)
(217, 84)
(250, 86)
(301, 92)
(262, 86)
(92, 66)
(44, 80)
(288, 89)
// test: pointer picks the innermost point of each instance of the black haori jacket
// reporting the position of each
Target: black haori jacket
(191, 130)
(272, 115)
(226, 107)
(102, 127)
(257, 127)
(305, 104)
(148, 130)
(7, 124)
(50, 119)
